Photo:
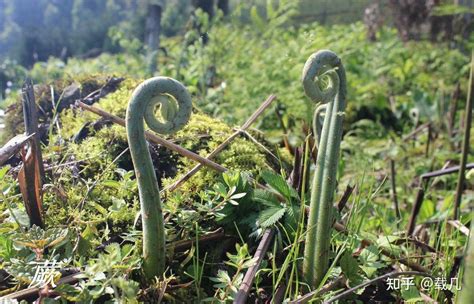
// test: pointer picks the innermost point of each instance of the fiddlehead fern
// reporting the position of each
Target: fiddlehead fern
(317, 124)
(175, 106)
(324, 81)
(467, 294)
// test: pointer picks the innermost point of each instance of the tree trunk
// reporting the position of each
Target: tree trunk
(223, 5)
(206, 5)
(152, 35)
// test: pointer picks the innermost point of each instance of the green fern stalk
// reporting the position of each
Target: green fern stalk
(466, 295)
(320, 67)
(175, 105)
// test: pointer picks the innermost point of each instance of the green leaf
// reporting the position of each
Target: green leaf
(129, 288)
(369, 260)
(4, 171)
(427, 210)
(277, 183)
(98, 207)
(411, 294)
(237, 196)
(111, 184)
(37, 238)
(451, 9)
(350, 268)
(67, 292)
(220, 189)
(265, 197)
(270, 216)
(6, 248)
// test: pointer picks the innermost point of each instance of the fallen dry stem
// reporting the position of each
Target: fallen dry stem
(224, 144)
(155, 138)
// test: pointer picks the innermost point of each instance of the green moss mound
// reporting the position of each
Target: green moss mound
(91, 183)
(51, 98)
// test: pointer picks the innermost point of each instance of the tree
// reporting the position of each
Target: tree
(152, 34)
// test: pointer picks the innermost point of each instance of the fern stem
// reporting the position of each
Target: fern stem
(321, 64)
(175, 105)
(466, 295)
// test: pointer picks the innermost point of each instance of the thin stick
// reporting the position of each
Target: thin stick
(420, 194)
(13, 146)
(428, 140)
(402, 260)
(424, 178)
(186, 244)
(31, 174)
(394, 189)
(32, 291)
(336, 284)
(423, 246)
(445, 171)
(380, 278)
(155, 138)
(459, 226)
(416, 131)
(279, 293)
(224, 144)
(453, 105)
(285, 131)
(465, 143)
(258, 144)
(30, 115)
(345, 198)
(262, 248)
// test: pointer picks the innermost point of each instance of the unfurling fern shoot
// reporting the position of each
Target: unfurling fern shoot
(324, 82)
(175, 105)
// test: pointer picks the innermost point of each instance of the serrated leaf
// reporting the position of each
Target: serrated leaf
(270, 216)
(277, 183)
(67, 292)
(350, 268)
(369, 254)
(21, 271)
(265, 197)
(37, 238)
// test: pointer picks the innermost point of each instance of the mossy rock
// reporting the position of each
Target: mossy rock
(65, 92)
(102, 159)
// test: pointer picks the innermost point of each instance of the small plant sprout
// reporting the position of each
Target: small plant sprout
(175, 107)
(324, 81)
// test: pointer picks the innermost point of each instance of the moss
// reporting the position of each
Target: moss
(202, 135)
(43, 93)
(94, 166)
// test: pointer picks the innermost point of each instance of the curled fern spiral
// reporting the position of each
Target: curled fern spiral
(324, 82)
(174, 103)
